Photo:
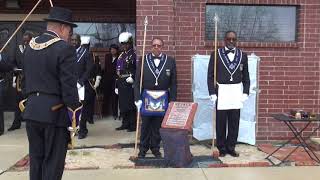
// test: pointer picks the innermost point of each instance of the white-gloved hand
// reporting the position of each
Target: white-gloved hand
(213, 98)
(116, 91)
(244, 97)
(129, 80)
(14, 84)
(79, 86)
(138, 104)
(97, 82)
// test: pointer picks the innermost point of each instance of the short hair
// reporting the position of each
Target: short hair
(158, 39)
(28, 33)
(230, 31)
(114, 46)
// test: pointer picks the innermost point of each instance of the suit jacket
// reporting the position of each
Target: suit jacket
(5, 65)
(84, 65)
(167, 79)
(241, 74)
(49, 79)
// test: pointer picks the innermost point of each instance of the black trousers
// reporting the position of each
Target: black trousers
(87, 110)
(129, 119)
(114, 104)
(2, 86)
(150, 136)
(17, 113)
(231, 119)
(47, 150)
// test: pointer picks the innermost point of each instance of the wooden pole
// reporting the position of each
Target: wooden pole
(140, 87)
(24, 20)
(215, 74)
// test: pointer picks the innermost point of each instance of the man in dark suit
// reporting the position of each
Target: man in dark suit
(126, 69)
(5, 66)
(16, 83)
(49, 85)
(231, 91)
(109, 81)
(84, 68)
(160, 81)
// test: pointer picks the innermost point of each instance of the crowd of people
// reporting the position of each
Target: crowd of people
(58, 76)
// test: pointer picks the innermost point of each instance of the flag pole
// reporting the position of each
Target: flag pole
(215, 74)
(140, 87)
(23, 21)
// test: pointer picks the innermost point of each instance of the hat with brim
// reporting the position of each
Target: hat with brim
(60, 15)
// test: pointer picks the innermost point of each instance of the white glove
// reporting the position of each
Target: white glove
(79, 86)
(129, 80)
(116, 91)
(14, 84)
(138, 104)
(213, 98)
(244, 97)
(97, 83)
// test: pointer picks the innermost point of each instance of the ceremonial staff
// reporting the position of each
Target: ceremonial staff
(23, 21)
(140, 88)
(215, 72)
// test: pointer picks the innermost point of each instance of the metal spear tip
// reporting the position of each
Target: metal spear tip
(146, 20)
(216, 18)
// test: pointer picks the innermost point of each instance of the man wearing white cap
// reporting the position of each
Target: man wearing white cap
(126, 68)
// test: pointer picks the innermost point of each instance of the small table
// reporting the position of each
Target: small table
(290, 122)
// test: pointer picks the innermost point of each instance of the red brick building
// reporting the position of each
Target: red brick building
(289, 70)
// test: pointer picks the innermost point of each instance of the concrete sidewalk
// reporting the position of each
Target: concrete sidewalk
(14, 146)
(283, 173)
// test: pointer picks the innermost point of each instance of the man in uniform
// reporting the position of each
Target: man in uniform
(84, 67)
(16, 83)
(5, 66)
(159, 87)
(126, 68)
(49, 85)
(231, 91)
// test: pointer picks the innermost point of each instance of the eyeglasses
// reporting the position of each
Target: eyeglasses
(231, 39)
(157, 45)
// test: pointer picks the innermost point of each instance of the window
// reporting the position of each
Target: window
(253, 23)
(103, 34)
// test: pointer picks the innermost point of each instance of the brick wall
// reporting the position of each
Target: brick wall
(289, 72)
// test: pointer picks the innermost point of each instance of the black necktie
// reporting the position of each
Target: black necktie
(229, 51)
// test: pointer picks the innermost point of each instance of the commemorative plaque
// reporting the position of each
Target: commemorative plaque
(179, 115)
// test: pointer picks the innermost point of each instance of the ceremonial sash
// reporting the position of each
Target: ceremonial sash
(154, 102)
(231, 67)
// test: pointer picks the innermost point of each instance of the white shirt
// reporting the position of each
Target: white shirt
(78, 49)
(231, 55)
(156, 60)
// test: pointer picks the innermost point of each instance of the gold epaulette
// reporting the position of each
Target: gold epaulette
(39, 46)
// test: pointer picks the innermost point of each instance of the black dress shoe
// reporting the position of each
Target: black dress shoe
(121, 128)
(222, 153)
(90, 121)
(131, 130)
(141, 154)
(82, 136)
(14, 128)
(157, 154)
(233, 153)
